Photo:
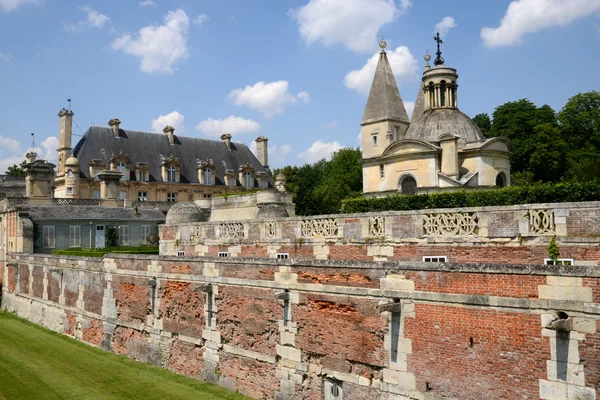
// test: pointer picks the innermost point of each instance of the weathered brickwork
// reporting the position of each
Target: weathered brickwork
(291, 328)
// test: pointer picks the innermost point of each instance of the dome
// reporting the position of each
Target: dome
(434, 123)
(72, 162)
(280, 177)
(182, 213)
(272, 211)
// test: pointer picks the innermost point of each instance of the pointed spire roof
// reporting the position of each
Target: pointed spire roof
(419, 105)
(384, 101)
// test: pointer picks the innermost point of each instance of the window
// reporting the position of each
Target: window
(409, 185)
(97, 171)
(560, 261)
(223, 254)
(282, 255)
(231, 181)
(207, 195)
(381, 171)
(48, 238)
(143, 176)
(438, 259)
(500, 180)
(180, 253)
(70, 173)
(172, 174)
(142, 196)
(122, 169)
(264, 183)
(69, 190)
(172, 197)
(123, 195)
(95, 193)
(144, 233)
(123, 235)
(207, 176)
(374, 139)
(75, 236)
(396, 133)
(248, 180)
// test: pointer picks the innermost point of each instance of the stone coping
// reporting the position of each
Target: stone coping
(399, 266)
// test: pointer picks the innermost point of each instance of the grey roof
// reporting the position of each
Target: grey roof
(95, 213)
(384, 101)
(100, 143)
(434, 123)
(419, 105)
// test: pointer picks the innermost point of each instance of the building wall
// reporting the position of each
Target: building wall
(445, 331)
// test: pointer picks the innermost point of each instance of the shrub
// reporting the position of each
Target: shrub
(513, 195)
(106, 250)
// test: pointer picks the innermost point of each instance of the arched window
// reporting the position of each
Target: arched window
(501, 180)
(231, 181)
(122, 169)
(70, 173)
(172, 174)
(443, 94)
(248, 181)
(408, 185)
(207, 176)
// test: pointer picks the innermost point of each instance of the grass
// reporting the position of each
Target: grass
(84, 252)
(36, 363)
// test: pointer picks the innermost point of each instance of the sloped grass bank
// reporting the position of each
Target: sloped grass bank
(36, 363)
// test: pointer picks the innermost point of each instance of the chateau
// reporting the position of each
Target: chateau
(440, 148)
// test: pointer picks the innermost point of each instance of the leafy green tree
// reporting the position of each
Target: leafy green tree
(580, 120)
(548, 162)
(16, 170)
(484, 123)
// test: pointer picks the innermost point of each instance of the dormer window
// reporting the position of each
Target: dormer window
(143, 176)
(248, 180)
(122, 168)
(172, 174)
(208, 176)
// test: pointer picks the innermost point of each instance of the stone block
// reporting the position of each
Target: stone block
(564, 350)
(552, 390)
(288, 338)
(564, 281)
(403, 379)
(572, 374)
(585, 325)
(580, 393)
(583, 294)
(397, 282)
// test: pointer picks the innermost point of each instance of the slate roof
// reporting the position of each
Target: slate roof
(384, 101)
(434, 123)
(95, 213)
(100, 143)
(419, 105)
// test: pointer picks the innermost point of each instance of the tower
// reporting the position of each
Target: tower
(64, 139)
(385, 119)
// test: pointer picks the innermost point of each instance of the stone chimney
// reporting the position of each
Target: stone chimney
(31, 156)
(64, 138)
(262, 151)
(114, 124)
(226, 138)
(110, 187)
(170, 133)
(38, 182)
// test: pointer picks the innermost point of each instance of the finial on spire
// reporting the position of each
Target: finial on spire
(427, 58)
(439, 60)
(382, 44)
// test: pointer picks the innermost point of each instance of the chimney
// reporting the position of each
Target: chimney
(114, 124)
(110, 187)
(262, 151)
(38, 182)
(170, 132)
(66, 129)
(226, 138)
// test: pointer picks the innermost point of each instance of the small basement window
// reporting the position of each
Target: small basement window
(560, 261)
(223, 254)
(180, 253)
(438, 259)
(283, 255)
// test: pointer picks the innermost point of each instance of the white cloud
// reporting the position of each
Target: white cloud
(173, 118)
(11, 5)
(267, 98)
(318, 151)
(410, 107)
(405, 5)
(529, 16)
(353, 23)
(147, 3)
(444, 26)
(48, 150)
(160, 47)
(201, 19)
(331, 124)
(232, 125)
(6, 57)
(403, 63)
(10, 144)
(94, 20)
(11, 151)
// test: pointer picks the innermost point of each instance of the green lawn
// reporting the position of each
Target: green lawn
(36, 363)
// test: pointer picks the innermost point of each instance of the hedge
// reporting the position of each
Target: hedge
(106, 250)
(513, 195)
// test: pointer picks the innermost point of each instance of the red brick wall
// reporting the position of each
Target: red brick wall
(182, 308)
(347, 252)
(589, 353)
(248, 318)
(595, 285)
(186, 359)
(11, 278)
(339, 276)
(123, 337)
(133, 298)
(53, 286)
(252, 378)
(262, 273)
(38, 282)
(506, 361)
(23, 279)
(94, 333)
(477, 284)
(93, 292)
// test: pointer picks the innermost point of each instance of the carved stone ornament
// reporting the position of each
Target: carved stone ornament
(541, 222)
(450, 224)
(376, 226)
(319, 227)
(234, 230)
(270, 229)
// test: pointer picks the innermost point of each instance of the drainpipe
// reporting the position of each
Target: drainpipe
(90, 235)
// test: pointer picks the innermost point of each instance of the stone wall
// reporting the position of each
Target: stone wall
(514, 235)
(302, 329)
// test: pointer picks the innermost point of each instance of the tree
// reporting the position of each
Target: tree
(16, 170)
(484, 123)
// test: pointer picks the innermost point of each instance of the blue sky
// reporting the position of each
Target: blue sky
(296, 71)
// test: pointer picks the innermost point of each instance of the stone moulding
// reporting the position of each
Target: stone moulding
(319, 227)
(541, 222)
(450, 224)
(376, 226)
(270, 229)
(233, 230)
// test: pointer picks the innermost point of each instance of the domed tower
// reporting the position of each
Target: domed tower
(71, 178)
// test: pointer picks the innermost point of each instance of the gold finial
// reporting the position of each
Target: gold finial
(427, 58)
(382, 44)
